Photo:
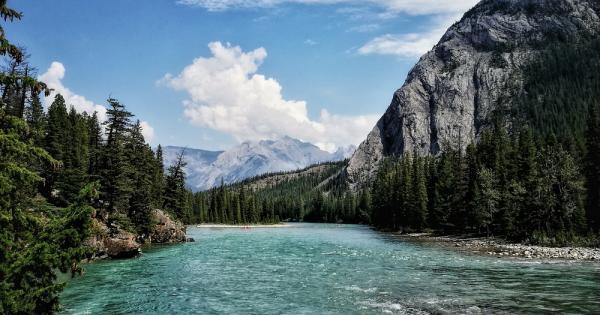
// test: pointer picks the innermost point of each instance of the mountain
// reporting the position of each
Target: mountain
(206, 169)
(478, 68)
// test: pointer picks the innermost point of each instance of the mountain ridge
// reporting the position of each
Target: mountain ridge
(207, 169)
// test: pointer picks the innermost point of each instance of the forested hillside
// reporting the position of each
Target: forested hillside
(61, 173)
(292, 196)
(533, 175)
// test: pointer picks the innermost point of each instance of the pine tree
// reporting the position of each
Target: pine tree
(243, 205)
(36, 119)
(458, 190)
(382, 198)
(364, 207)
(472, 193)
(406, 202)
(174, 196)
(95, 146)
(444, 191)
(238, 212)
(489, 198)
(142, 163)
(419, 187)
(57, 128)
(501, 170)
(56, 145)
(116, 171)
(75, 158)
(434, 217)
(592, 168)
(158, 182)
(520, 198)
(559, 193)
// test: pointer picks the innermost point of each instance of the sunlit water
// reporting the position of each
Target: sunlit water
(326, 269)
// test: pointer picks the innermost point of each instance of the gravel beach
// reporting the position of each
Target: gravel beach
(501, 248)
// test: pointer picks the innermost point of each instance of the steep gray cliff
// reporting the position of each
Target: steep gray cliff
(476, 67)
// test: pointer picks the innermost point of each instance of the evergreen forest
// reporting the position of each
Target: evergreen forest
(59, 169)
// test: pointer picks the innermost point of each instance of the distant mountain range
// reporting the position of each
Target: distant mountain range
(206, 169)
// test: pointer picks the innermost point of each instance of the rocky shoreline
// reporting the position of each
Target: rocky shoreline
(115, 242)
(500, 248)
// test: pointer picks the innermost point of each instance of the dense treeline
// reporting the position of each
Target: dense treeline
(540, 181)
(561, 85)
(113, 153)
(264, 199)
(505, 185)
(58, 169)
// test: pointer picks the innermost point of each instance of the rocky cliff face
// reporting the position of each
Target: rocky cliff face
(476, 67)
(112, 241)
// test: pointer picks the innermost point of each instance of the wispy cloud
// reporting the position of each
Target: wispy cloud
(227, 94)
(408, 45)
(405, 45)
(310, 42)
(365, 28)
(413, 7)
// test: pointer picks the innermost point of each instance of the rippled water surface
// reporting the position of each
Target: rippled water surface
(326, 269)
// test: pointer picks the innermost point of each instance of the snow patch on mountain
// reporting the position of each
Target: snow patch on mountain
(207, 169)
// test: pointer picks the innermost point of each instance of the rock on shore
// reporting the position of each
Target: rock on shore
(115, 242)
(166, 229)
(112, 242)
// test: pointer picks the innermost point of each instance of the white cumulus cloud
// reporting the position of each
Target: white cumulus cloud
(147, 131)
(227, 94)
(53, 78)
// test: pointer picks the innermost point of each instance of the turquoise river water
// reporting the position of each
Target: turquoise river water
(327, 269)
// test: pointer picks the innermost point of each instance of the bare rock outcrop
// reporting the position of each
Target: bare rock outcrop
(166, 229)
(112, 241)
(448, 96)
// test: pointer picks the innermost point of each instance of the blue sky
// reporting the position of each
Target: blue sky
(211, 73)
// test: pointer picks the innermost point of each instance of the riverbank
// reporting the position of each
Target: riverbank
(500, 248)
(110, 240)
(245, 226)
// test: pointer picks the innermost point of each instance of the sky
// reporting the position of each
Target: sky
(212, 73)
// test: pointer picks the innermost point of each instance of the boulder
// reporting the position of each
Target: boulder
(167, 230)
(112, 242)
(122, 245)
(115, 242)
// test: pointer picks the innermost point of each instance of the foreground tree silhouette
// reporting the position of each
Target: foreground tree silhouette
(35, 240)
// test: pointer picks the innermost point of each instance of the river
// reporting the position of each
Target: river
(326, 269)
